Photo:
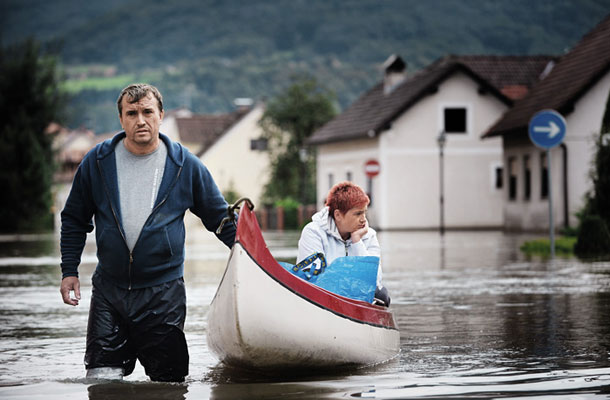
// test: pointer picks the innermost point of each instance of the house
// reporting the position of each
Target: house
(69, 147)
(197, 132)
(169, 126)
(238, 159)
(399, 123)
(230, 145)
(577, 86)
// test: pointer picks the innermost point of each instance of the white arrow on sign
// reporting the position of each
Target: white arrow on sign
(552, 129)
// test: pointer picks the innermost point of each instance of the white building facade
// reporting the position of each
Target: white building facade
(578, 87)
(239, 159)
(406, 194)
(527, 204)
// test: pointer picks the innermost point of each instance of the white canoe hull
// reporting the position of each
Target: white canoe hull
(257, 319)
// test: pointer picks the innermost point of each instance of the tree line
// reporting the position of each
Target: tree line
(204, 54)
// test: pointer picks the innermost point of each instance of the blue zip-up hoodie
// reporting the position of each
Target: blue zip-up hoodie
(158, 255)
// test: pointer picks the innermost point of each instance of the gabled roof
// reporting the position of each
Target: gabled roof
(573, 75)
(207, 129)
(374, 111)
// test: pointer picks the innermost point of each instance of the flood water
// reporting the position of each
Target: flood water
(477, 320)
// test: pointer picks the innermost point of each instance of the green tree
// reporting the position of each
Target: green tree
(594, 236)
(289, 119)
(231, 195)
(30, 99)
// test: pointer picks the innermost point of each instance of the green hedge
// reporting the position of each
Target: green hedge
(564, 245)
(291, 208)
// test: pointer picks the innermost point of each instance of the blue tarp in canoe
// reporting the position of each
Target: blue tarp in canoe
(352, 276)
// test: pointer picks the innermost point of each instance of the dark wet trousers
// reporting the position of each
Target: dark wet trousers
(144, 324)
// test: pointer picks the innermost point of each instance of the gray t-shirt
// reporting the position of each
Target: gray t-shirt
(139, 179)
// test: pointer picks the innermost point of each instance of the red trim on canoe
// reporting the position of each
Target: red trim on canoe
(251, 238)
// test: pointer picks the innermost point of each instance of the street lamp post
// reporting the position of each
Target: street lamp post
(442, 140)
(303, 156)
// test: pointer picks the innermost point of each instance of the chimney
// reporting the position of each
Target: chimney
(243, 103)
(395, 72)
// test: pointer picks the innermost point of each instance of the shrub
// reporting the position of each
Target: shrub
(542, 247)
(291, 207)
(593, 237)
(231, 195)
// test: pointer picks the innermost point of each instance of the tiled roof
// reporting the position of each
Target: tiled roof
(512, 75)
(374, 111)
(207, 129)
(575, 73)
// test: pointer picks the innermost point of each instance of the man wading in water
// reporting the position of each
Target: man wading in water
(137, 186)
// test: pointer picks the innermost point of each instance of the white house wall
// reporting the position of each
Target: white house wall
(234, 165)
(337, 161)
(532, 214)
(406, 193)
(582, 124)
(410, 151)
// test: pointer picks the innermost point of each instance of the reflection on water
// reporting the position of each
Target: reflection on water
(137, 391)
(477, 320)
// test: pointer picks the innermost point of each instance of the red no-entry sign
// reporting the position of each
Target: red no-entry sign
(372, 168)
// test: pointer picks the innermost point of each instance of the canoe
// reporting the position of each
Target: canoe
(263, 316)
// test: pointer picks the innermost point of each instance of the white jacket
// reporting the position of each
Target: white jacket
(322, 236)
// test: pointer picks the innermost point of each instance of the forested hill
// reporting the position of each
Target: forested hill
(205, 53)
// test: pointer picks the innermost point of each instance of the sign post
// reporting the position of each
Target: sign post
(371, 169)
(547, 129)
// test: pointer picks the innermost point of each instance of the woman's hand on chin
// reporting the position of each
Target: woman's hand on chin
(359, 233)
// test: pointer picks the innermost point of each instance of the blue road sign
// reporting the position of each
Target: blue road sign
(547, 128)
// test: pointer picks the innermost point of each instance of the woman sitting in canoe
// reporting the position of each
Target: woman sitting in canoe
(341, 229)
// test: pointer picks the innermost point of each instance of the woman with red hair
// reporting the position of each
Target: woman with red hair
(341, 229)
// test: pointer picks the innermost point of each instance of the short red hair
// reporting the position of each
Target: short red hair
(344, 196)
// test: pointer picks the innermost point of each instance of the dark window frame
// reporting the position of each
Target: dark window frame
(512, 178)
(455, 120)
(260, 144)
(527, 178)
(544, 176)
(499, 177)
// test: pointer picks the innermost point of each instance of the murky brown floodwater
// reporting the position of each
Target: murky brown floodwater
(477, 320)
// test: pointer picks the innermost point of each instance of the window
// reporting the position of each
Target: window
(455, 120)
(512, 178)
(544, 177)
(259, 144)
(498, 178)
(527, 178)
